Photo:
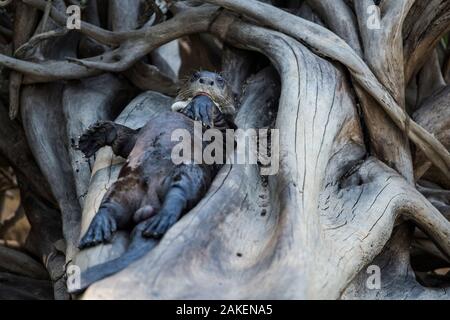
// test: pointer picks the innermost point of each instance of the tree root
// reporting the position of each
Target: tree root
(319, 39)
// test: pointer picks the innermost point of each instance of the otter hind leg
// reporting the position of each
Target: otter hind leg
(186, 188)
(102, 227)
(171, 210)
(107, 133)
(115, 211)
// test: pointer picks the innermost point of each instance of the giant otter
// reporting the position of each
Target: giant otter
(152, 192)
(198, 95)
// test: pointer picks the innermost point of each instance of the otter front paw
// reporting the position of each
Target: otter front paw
(202, 109)
(158, 225)
(98, 135)
(101, 230)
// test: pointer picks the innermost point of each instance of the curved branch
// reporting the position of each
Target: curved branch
(192, 21)
(24, 50)
(426, 24)
(97, 33)
(434, 116)
(346, 26)
(428, 219)
(122, 58)
(383, 51)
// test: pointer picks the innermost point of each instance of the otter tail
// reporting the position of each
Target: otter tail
(137, 249)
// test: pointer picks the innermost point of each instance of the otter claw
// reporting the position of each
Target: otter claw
(158, 225)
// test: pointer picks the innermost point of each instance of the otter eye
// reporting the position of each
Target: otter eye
(195, 76)
(220, 81)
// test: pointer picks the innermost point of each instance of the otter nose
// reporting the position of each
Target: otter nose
(206, 81)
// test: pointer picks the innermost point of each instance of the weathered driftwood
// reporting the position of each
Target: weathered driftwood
(323, 200)
(97, 98)
(434, 116)
(425, 25)
(314, 35)
(347, 194)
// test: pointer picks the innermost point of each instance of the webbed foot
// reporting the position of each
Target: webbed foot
(158, 225)
(101, 230)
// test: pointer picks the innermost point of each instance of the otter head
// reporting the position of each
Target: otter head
(212, 85)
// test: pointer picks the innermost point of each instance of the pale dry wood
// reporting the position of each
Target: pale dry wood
(123, 14)
(44, 121)
(326, 43)
(434, 116)
(383, 52)
(345, 27)
(236, 67)
(426, 24)
(386, 66)
(291, 245)
(392, 263)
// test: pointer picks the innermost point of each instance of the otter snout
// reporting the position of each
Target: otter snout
(206, 81)
(207, 78)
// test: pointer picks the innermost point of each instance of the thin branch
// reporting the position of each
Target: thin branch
(97, 33)
(23, 50)
(346, 26)
(113, 38)
(430, 220)
(383, 52)
(193, 21)
(425, 26)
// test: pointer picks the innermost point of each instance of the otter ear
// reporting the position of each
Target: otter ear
(179, 105)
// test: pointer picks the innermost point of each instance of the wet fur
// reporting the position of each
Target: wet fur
(219, 91)
(151, 193)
